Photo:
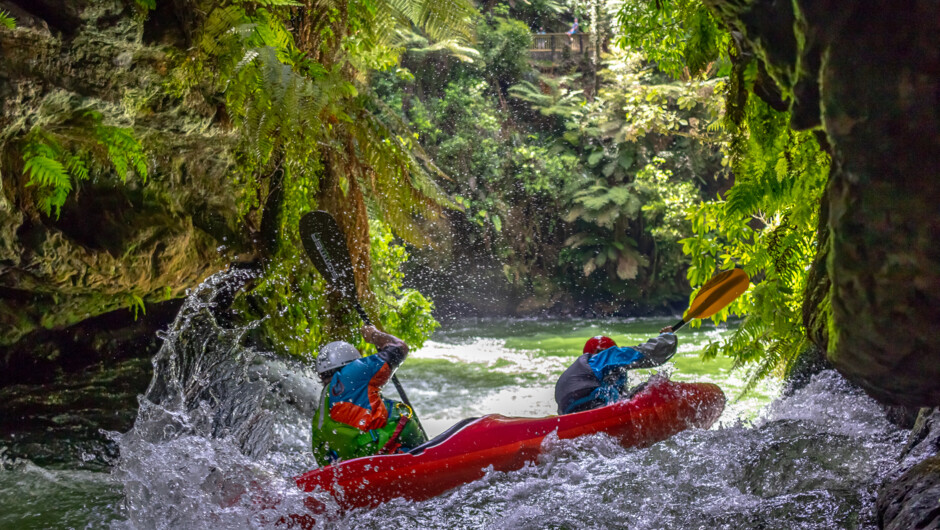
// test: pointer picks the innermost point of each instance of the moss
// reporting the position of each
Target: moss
(114, 243)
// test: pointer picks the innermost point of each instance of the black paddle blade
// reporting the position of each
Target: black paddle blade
(325, 245)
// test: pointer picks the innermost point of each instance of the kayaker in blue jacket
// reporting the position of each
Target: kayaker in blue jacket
(599, 376)
(354, 419)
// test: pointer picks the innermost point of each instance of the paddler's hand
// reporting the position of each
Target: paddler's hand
(667, 329)
(372, 335)
(369, 333)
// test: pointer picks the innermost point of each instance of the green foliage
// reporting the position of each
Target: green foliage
(504, 44)
(553, 96)
(627, 214)
(767, 225)
(521, 163)
(682, 36)
(293, 111)
(136, 305)
(58, 158)
(292, 300)
(421, 48)
(6, 20)
(293, 80)
(441, 21)
(405, 313)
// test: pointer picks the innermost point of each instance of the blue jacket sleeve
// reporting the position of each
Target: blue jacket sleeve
(653, 352)
(611, 359)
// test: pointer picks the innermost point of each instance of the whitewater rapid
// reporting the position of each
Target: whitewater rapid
(224, 428)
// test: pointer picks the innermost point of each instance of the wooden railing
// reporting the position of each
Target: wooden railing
(556, 46)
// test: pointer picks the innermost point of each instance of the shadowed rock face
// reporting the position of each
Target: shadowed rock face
(115, 243)
(867, 74)
(908, 498)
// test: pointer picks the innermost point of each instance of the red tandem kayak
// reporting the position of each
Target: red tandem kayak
(465, 452)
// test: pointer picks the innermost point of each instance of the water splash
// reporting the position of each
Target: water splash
(200, 452)
(812, 461)
(223, 428)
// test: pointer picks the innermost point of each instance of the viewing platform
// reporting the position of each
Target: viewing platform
(556, 47)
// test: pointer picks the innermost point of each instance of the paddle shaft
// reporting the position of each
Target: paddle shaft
(324, 239)
(679, 324)
(401, 390)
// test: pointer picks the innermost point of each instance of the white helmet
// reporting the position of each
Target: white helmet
(335, 355)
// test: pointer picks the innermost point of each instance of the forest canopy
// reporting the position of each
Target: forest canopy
(611, 179)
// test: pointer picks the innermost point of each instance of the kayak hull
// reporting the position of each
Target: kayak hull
(504, 443)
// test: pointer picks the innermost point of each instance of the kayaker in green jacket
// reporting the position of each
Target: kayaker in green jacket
(354, 419)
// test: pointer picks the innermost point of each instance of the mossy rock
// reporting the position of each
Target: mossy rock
(117, 245)
(863, 73)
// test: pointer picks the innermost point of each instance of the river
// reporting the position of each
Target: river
(223, 427)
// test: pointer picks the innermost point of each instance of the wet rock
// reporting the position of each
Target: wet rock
(865, 74)
(912, 500)
(46, 355)
(116, 244)
(902, 416)
(910, 496)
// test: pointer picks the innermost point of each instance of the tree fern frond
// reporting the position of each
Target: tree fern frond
(418, 46)
(274, 3)
(440, 19)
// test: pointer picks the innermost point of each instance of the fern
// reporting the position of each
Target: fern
(441, 20)
(124, 151)
(768, 226)
(136, 305)
(56, 159)
(293, 78)
(43, 161)
(6, 20)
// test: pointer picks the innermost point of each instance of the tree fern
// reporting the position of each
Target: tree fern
(441, 19)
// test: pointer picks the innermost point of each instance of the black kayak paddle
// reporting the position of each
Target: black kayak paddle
(325, 245)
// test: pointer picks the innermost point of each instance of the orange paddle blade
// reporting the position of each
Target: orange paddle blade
(717, 293)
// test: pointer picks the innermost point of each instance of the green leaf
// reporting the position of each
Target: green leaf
(595, 157)
(6, 20)
(625, 159)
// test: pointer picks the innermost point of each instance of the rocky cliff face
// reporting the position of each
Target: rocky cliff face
(866, 75)
(116, 244)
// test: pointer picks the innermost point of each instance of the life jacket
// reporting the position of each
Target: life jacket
(579, 389)
(576, 385)
(333, 441)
